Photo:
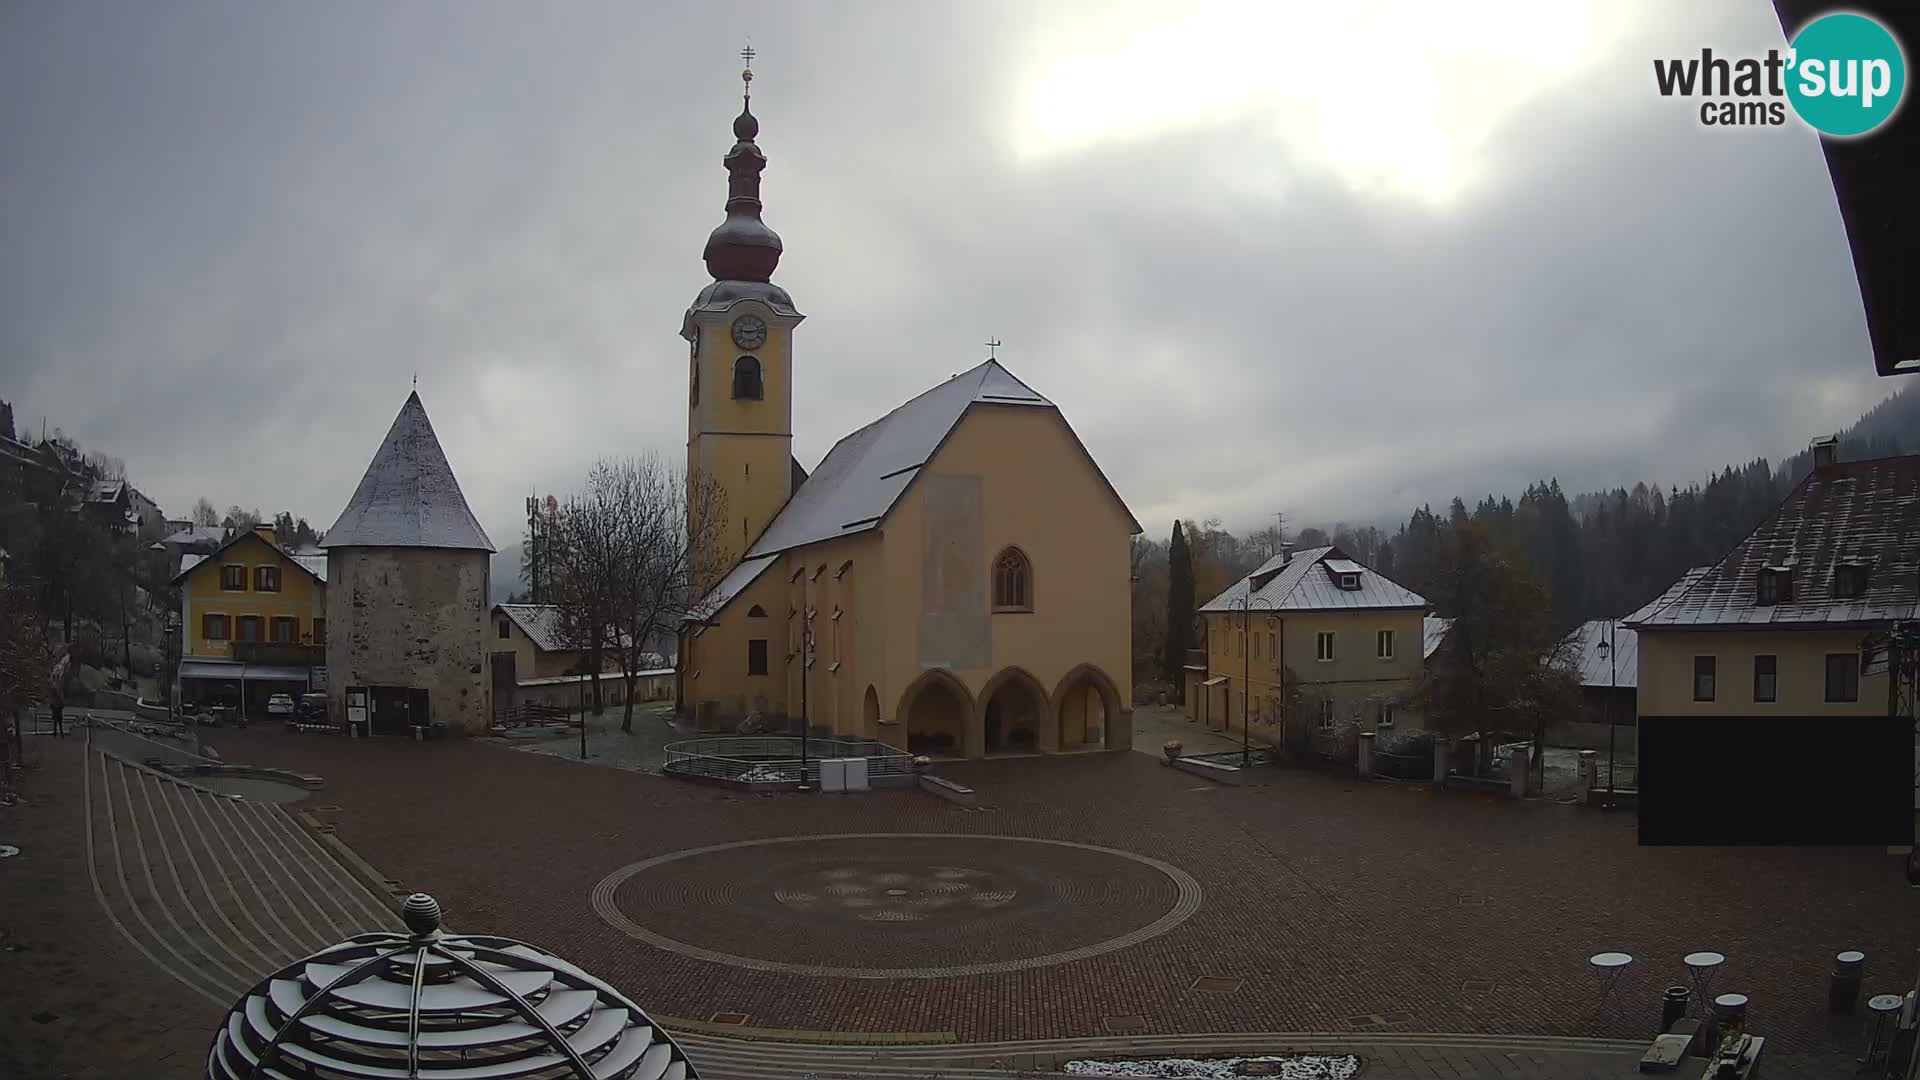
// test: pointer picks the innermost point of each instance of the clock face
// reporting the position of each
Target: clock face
(749, 332)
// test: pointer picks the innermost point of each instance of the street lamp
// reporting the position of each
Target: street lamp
(806, 670)
(1246, 605)
(1607, 649)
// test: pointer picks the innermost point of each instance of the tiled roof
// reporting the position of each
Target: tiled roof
(1673, 591)
(1584, 657)
(408, 497)
(541, 623)
(197, 534)
(1433, 631)
(1300, 583)
(1857, 511)
(860, 478)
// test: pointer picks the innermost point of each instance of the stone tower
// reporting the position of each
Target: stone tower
(740, 333)
(407, 571)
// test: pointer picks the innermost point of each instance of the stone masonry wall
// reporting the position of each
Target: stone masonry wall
(410, 617)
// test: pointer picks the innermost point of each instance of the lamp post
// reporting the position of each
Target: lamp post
(806, 670)
(1246, 605)
(1608, 650)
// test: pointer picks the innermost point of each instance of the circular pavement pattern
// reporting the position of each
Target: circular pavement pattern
(896, 905)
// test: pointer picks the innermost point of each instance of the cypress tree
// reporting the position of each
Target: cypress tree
(1179, 609)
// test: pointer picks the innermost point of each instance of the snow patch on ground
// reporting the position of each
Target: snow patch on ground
(1284, 1066)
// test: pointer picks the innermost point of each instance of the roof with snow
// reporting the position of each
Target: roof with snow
(541, 623)
(408, 497)
(1433, 631)
(314, 565)
(861, 479)
(1592, 664)
(197, 534)
(1304, 581)
(1863, 514)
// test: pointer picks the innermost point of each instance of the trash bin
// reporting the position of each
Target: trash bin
(1843, 987)
(1730, 1013)
(1673, 1006)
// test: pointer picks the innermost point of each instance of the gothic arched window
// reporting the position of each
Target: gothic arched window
(1012, 581)
(746, 378)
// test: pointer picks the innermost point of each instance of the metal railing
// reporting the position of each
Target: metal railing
(776, 760)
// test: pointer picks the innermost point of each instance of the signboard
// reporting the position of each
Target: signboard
(356, 706)
(317, 678)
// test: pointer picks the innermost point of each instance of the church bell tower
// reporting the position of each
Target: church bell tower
(739, 331)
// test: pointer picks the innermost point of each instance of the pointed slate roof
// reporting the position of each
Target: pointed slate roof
(408, 498)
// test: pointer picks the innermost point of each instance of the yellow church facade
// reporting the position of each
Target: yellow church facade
(952, 579)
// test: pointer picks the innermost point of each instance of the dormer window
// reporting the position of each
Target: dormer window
(1350, 581)
(1345, 573)
(1776, 585)
(1850, 579)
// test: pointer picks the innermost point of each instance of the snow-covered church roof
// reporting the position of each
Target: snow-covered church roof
(408, 497)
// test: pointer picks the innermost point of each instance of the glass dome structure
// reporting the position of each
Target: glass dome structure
(436, 1006)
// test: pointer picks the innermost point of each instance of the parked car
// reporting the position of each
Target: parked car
(280, 705)
(311, 707)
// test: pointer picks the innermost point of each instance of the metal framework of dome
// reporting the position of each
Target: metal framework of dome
(434, 1006)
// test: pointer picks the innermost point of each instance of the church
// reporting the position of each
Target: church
(952, 579)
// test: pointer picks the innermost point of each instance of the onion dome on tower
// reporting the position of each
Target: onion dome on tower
(742, 253)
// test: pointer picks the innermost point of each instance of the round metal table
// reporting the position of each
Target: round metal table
(1702, 966)
(1607, 967)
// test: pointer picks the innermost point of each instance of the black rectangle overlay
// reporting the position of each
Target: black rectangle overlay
(1785, 780)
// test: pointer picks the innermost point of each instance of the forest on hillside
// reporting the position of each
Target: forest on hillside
(1599, 554)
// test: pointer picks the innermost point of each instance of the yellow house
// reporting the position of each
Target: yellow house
(534, 663)
(952, 578)
(1776, 627)
(253, 619)
(1352, 640)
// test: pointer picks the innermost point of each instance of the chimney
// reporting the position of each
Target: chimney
(1825, 450)
(264, 532)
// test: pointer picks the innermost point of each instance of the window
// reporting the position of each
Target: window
(1383, 644)
(284, 630)
(746, 379)
(249, 628)
(1766, 678)
(266, 579)
(1384, 715)
(1850, 579)
(757, 656)
(1273, 648)
(1776, 585)
(756, 612)
(1349, 582)
(1843, 676)
(1703, 670)
(505, 631)
(1326, 713)
(213, 627)
(233, 578)
(319, 631)
(1323, 645)
(1012, 581)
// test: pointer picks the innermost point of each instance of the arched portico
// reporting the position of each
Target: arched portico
(936, 710)
(870, 713)
(1089, 712)
(1013, 713)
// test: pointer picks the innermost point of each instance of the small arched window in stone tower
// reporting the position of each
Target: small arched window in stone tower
(746, 379)
(1012, 581)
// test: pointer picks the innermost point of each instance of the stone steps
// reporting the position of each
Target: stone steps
(218, 890)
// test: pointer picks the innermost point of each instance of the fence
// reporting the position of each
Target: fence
(773, 760)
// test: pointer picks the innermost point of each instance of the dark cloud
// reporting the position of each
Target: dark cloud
(234, 233)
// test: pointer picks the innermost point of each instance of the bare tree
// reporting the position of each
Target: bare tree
(204, 512)
(629, 557)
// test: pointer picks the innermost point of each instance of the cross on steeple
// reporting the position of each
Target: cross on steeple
(991, 346)
(746, 74)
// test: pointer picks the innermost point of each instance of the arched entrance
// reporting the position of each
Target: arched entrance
(1013, 713)
(1085, 704)
(934, 712)
(870, 714)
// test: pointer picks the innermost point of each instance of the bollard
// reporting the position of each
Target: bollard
(1730, 1013)
(1843, 986)
(1673, 1006)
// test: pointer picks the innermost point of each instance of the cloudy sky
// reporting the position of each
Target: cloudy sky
(1267, 256)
